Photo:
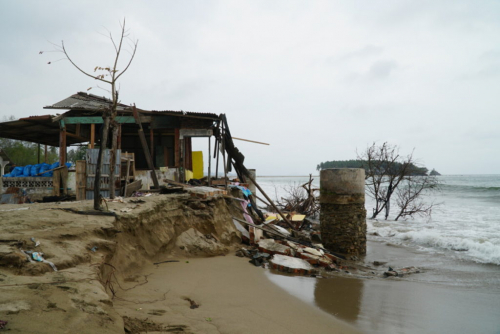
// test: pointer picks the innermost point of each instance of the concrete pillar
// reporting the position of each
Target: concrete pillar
(251, 185)
(2, 166)
(343, 213)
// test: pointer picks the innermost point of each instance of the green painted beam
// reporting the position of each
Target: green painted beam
(97, 120)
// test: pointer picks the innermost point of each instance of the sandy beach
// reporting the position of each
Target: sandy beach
(234, 297)
(117, 288)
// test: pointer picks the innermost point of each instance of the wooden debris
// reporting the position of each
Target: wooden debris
(401, 271)
(192, 302)
(292, 265)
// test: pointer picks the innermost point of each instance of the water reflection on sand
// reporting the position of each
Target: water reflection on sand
(410, 305)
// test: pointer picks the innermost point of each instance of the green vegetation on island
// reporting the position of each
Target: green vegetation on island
(385, 167)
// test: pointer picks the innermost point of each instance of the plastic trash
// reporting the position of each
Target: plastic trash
(37, 243)
(27, 170)
(18, 171)
(44, 167)
(38, 256)
(28, 255)
(35, 169)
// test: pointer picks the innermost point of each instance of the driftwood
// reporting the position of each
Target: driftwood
(301, 199)
(165, 261)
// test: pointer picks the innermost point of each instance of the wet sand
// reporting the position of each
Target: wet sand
(234, 297)
(448, 297)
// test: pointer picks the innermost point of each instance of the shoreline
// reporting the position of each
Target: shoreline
(448, 296)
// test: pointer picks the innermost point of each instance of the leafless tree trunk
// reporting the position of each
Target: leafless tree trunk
(109, 75)
(112, 171)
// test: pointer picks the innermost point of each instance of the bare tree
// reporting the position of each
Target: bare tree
(409, 196)
(110, 76)
(385, 168)
(385, 172)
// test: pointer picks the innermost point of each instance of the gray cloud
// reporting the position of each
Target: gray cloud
(382, 69)
(315, 79)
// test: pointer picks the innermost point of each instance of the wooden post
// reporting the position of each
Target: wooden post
(126, 177)
(217, 161)
(64, 180)
(144, 143)
(62, 143)
(46, 154)
(182, 171)
(39, 153)
(152, 145)
(224, 159)
(177, 147)
(92, 135)
(56, 183)
(209, 160)
(80, 180)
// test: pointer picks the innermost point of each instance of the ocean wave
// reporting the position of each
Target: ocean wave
(466, 188)
(477, 250)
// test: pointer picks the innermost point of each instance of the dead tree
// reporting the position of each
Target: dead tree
(110, 76)
(409, 199)
(385, 169)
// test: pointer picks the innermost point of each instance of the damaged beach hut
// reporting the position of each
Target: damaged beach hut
(152, 146)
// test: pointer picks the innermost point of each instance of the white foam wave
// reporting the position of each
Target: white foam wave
(475, 249)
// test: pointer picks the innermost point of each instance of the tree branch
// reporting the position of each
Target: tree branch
(71, 61)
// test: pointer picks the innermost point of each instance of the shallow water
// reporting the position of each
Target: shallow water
(443, 299)
(458, 251)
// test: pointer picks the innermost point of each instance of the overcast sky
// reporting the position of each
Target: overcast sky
(315, 79)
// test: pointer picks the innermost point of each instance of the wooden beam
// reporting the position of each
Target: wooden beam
(177, 149)
(146, 150)
(73, 135)
(92, 135)
(99, 120)
(62, 144)
(251, 141)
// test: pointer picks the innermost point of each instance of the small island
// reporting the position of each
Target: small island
(415, 170)
(434, 173)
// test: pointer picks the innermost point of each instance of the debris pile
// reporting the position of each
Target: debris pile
(301, 199)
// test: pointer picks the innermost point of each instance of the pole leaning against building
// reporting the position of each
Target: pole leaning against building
(343, 213)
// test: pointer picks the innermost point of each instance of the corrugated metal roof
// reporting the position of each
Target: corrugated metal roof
(185, 113)
(37, 130)
(84, 101)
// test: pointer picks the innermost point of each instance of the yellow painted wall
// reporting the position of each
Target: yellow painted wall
(197, 164)
(188, 174)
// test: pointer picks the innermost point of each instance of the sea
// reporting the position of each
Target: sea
(457, 249)
(464, 224)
